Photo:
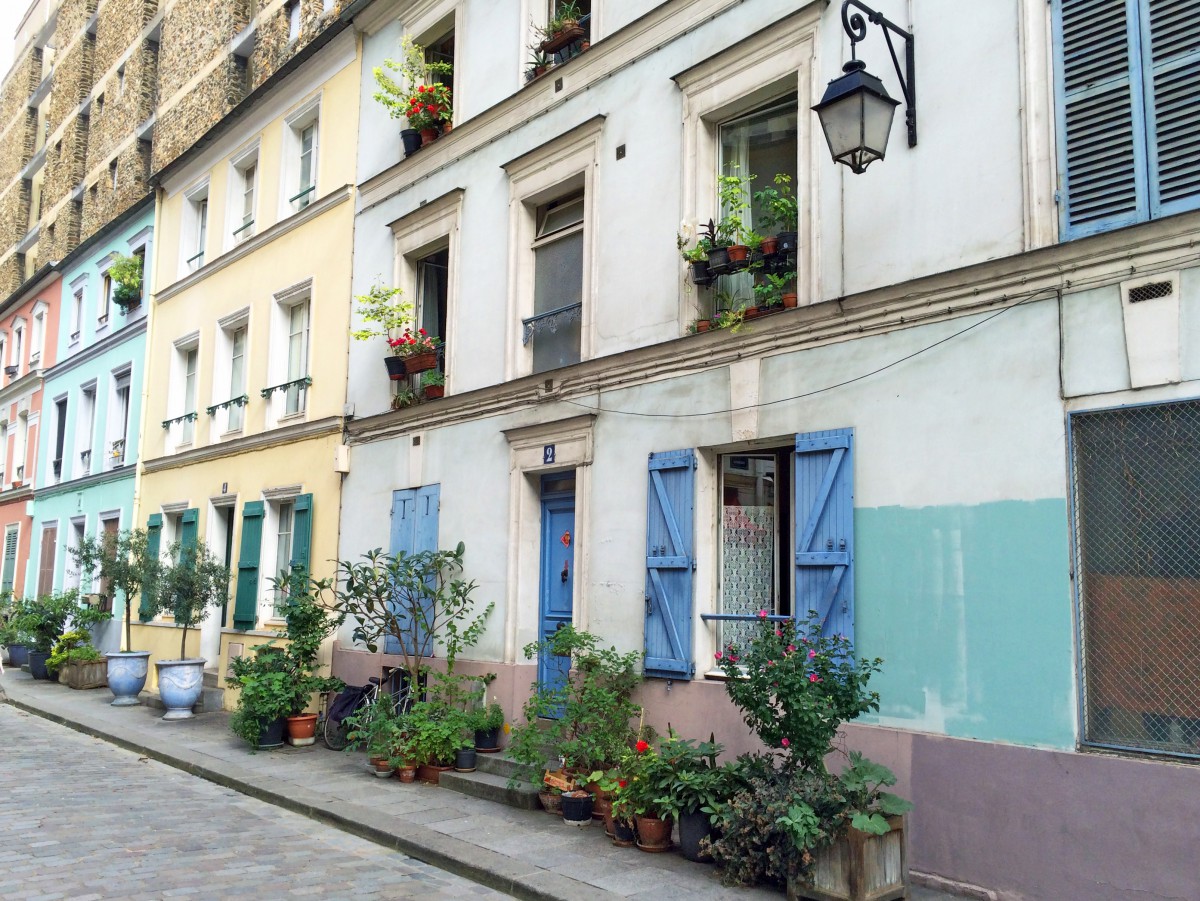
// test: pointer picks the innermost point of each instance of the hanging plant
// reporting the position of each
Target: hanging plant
(126, 274)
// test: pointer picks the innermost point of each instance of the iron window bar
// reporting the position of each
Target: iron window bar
(199, 256)
(306, 381)
(240, 401)
(303, 193)
(186, 417)
(244, 226)
(745, 617)
(550, 320)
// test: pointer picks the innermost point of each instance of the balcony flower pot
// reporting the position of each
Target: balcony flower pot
(420, 362)
(428, 136)
(787, 242)
(410, 140)
(395, 367)
(623, 835)
(654, 834)
(738, 253)
(789, 300)
(565, 38)
(718, 260)
(464, 760)
(37, 664)
(703, 325)
(302, 730)
(180, 684)
(577, 808)
(270, 734)
(701, 275)
(433, 392)
(693, 827)
(81, 676)
(127, 671)
(18, 655)
(769, 246)
(858, 867)
(487, 741)
(431, 772)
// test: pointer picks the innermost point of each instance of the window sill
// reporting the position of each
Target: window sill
(234, 433)
(289, 418)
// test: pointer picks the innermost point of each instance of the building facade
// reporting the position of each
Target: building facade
(938, 451)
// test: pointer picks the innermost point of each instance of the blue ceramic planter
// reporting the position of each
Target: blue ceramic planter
(127, 671)
(18, 655)
(180, 684)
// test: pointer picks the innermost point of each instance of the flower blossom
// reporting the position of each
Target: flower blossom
(642, 746)
(811, 653)
(762, 614)
(785, 742)
(813, 677)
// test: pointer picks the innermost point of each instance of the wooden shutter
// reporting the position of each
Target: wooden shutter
(8, 574)
(824, 529)
(1171, 49)
(45, 583)
(245, 603)
(301, 534)
(670, 510)
(1101, 118)
(189, 522)
(153, 547)
(414, 529)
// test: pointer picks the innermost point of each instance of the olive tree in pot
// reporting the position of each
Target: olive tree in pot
(194, 583)
(127, 565)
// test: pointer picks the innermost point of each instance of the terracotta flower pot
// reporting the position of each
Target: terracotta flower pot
(789, 300)
(407, 773)
(428, 136)
(738, 253)
(420, 362)
(769, 245)
(432, 392)
(653, 834)
(551, 802)
(302, 730)
(702, 325)
(431, 773)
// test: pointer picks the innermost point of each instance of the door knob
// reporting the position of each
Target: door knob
(566, 572)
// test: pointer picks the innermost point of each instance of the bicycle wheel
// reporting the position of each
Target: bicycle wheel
(334, 735)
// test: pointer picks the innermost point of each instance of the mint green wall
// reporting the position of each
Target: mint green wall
(970, 607)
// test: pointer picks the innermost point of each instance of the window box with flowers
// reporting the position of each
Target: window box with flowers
(418, 349)
(416, 95)
(385, 316)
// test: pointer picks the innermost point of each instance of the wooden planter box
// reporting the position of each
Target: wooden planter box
(859, 867)
(87, 675)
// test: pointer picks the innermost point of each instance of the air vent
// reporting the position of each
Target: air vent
(1151, 291)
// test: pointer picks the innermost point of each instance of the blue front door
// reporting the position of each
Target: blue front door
(557, 572)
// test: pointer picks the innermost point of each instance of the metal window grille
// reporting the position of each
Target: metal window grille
(1151, 291)
(1136, 491)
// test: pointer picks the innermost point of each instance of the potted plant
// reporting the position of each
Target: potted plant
(539, 62)
(124, 563)
(45, 618)
(551, 799)
(404, 396)
(410, 97)
(126, 274)
(78, 664)
(419, 350)
(697, 258)
(563, 29)
(385, 315)
(487, 724)
(577, 807)
(264, 699)
(11, 637)
(781, 210)
(435, 734)
(434, 384)
(694, 783)
(187, 589)
(733, 229)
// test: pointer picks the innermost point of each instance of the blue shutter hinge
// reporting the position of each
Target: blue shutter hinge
(695, 464)
(693, 566)
(1058, 197)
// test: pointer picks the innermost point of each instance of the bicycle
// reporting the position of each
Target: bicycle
(353, 699)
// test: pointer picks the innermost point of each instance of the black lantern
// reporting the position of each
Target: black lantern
(856, 111)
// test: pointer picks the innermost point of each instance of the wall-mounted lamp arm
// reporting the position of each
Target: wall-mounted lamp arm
(856, 28)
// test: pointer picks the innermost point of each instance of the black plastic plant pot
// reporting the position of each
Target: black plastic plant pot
(487, 739)
(270, 733)
(693, 827)
(787, 242)
(464, 760)
(718, 259)
(577, 807)
(700, 273)
(623, 833)
(411, 139)
(37, 665)
(395, 367)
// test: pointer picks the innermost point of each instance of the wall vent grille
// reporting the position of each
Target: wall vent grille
(1151, 291)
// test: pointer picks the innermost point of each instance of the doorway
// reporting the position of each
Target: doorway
(556, 604)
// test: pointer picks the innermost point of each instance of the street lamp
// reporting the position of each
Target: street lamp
(856, 111)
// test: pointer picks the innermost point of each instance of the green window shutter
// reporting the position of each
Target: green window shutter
(10, 559)
(245, 603)
(301, 534)
(153, 543)
(189, 522)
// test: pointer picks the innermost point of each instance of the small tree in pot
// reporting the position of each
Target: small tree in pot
(187, 589)
(384, 314)
(45, 618)
(122, 562)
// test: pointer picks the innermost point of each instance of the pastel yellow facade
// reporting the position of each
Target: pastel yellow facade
(246, 369)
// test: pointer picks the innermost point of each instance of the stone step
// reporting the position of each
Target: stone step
(496, 764)
(491, 787)
(210, 679)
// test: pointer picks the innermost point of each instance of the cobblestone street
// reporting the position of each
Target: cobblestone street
(85, 820)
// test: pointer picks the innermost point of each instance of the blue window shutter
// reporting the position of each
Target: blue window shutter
(1101, 115)
(414, 529)
(301, 535)
(245, 600)
(1171, 48)
(670, 512)
(153, 548)
(824, 529)
(189, 523)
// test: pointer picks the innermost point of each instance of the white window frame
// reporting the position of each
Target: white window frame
(4, 468)
(432, 227)
(277, 362)
(142, 242)
(3, 349)
(177, 436)
(537, 14)
(21, 449)
(81, 458)
(194, 233)
(268, 563)
(73, 577)
(431, 21)
(78, 290)
(770, 64)
(293, 14)
(223, 389)
(238, 229)
(294, 125)
(117, 431)
(563, 166)
(37, 333)
(18, 347)
(62, 420)
(104, 300)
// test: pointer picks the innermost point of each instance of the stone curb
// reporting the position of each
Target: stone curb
(453, 855)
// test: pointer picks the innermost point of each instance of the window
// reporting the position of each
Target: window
(35, 198)
(105, 305)
(293, 14)
(118, 425)
(45, 583)
(9, 570)
(110, 527)
(302, 139)
(237, 378)
(1137, 547)
(283, 547)
(245, 186)
(37, 337)
(554, 328)
(191, 358)
(86, 425)
(574, 40)
(120, 80)
(18, 348)
(228, 411)
(441, 50)
(74, 540)
(112, 175)
(195, 227)
(432, 291)
(3, 349)
(60, 438)
(76, 313)
(1125, 84)
(3, 450)
(297, 357)
(21, 447)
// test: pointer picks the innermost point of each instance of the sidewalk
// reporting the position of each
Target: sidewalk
(527, 854)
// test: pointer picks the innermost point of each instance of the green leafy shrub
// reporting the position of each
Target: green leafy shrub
(73, 647)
